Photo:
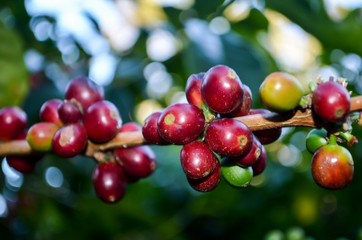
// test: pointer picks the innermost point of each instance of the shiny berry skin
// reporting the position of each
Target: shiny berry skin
(250, 157)
(280, 92)
(193, 89)
(222, 89)
(70, 140)
(234, 174)
(40, 136)
(229, 137)
(102, 121)
(260, 164)
(207, 183)
(331, 102)
(332, 167)
(181, 123)
(245, 105)
(269, 135)
(69, 112)
(136, 162)
(49, 111)
(315, 139)
(109, 182)
(13, 122)
(197, 160)
(130, 127)
(150, 130)
(85, 91)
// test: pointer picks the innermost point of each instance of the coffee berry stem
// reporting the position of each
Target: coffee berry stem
(131, 139)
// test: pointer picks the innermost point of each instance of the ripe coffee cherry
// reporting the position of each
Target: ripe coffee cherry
(331, 101)
(207, 183)
(40, 136)
(181, 123)
(49, 111)
(250, 157)
(130, 127)
(269, 135)
(315, 139)
(260, 164)
(234, 174)
(197, 160)
(332, 167)
(193, 89)
(280, 92)
(12, 123)
(85, 91)
(70, 140)
(102, 121)
(246, 103)
(69, 112)
(150, 130)
(136, 162)
(109, 182)
(229, 137)
(222, 89)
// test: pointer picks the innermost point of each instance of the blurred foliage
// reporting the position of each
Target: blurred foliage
(283, 203)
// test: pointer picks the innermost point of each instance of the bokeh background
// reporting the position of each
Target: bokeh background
(142, 52)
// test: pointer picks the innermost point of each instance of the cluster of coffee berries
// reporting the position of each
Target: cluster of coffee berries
(214, 144)
(332, 165)
(68, 125)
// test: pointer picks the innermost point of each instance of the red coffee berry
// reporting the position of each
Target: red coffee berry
(332, 167)
(229, 137)
(69, 112)
(49, 111)
(222, 89)
(193, 89)
(207, 183)
(136, 162)
(260, 164)
(197, 160)
(331, 101)
(70, 140)
(250, 157)
(85, 91)
(181, 123)
(40, 136)
(108, 182)
(130, 127)
(150, 130)
(269, 135)
(245, 105)
(102, 121)
(13, 122)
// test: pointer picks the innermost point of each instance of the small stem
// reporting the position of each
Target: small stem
(333, 139)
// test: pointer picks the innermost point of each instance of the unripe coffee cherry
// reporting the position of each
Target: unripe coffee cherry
(222, 89)
(207, 183)
(85, 91)
(280, 92)
(234, 174)
(150, 130)
(315, 139)
(331, 101)
(49, 111)
(193, 89)
(181, 123)
(136, 162)
(12, 123)
(332, 167)
(70, 140)
(40, 136)
(109, 182)
(197, 160)
(102, 121)
(229, 137)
